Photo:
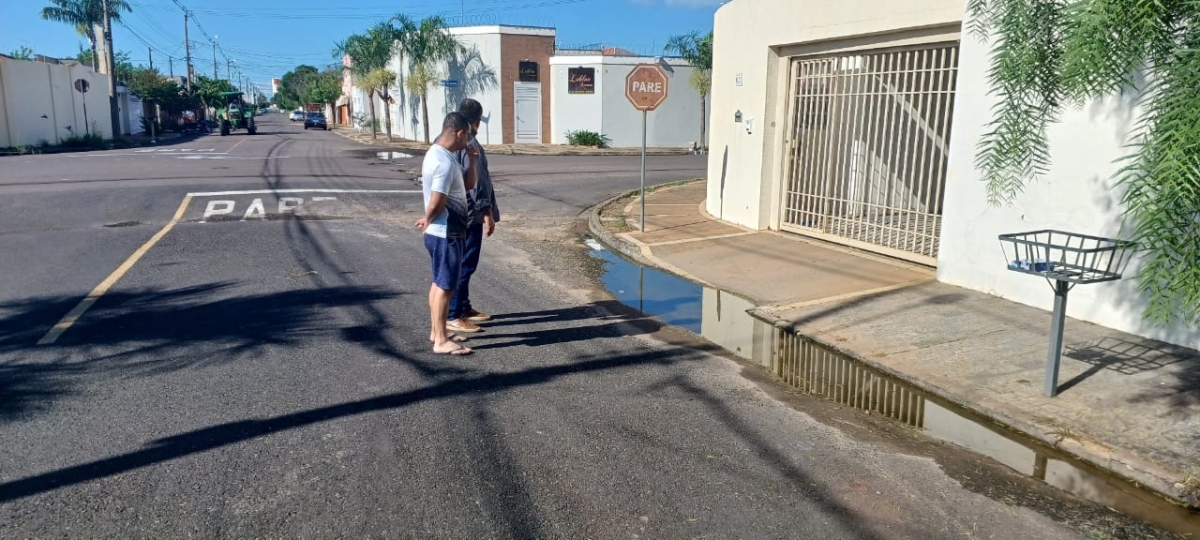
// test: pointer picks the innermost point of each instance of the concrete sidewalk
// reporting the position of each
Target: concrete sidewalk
(364, 137)
(1128, 405)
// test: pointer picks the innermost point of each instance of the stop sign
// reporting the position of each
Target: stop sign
(646, 87)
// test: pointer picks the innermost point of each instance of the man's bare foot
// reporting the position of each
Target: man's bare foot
(452, 337)
(451, 348)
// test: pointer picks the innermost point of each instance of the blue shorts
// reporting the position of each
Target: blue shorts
(446, 256)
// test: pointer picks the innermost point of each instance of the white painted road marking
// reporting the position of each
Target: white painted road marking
(256, 210)
(271, 191)
(217, 208)
(165, 150)
(213, 208)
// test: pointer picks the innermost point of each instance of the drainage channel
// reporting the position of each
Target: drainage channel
(819, 371)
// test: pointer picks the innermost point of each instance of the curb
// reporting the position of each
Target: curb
(1119, 463)
(516, 150)
(1122, 464)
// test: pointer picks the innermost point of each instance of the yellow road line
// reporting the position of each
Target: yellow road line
(72, 316)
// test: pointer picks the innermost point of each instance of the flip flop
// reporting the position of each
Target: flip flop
(460, 351)
(455, 338)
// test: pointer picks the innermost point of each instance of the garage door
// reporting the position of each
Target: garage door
(867, 147)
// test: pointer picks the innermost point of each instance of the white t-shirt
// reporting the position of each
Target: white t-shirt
(441, 172)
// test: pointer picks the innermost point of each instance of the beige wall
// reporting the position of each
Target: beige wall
(752, 42)
(31, 90)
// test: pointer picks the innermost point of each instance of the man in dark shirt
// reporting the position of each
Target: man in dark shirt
(484, 215)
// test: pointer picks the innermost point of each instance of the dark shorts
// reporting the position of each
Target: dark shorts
(445, 255)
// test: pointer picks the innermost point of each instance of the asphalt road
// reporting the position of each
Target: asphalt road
(262, 370)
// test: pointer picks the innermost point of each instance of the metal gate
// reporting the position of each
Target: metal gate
(867, 147)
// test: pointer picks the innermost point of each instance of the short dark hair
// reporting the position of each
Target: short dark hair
(455, 122)
(472, 110)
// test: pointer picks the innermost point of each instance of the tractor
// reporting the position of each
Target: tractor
(236, 114)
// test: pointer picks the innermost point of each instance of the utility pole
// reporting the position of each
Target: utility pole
(228, 71)
(112, 71)
(188, 48)
(171, 61)
(215, 76)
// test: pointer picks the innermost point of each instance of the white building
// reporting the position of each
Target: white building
(835, 123)
(589, 94)
(503, 67)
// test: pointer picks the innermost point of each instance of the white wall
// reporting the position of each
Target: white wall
(475, 82)
(31, 90)
(676, 123)
(1077, 195)
(130, 111)
(573, 112)
(749, 40)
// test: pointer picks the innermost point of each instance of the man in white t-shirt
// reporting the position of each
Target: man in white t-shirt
(447, 216)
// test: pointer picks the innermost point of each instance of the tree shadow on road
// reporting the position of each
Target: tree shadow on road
(513, 507)
(155, 331)
(219, 436)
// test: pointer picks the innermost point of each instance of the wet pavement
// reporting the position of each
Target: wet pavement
(1126, 404)
(815, 370)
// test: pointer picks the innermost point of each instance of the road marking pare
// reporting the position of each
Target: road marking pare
(256, 209)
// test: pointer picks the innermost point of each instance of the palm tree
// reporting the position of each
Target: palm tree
(697, 51)
(371, 52)
(426, 45)
(377, 82)
(420, 78)
(85, 15)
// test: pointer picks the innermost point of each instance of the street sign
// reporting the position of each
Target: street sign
(449, 83)
(82, 86)
(646, 87)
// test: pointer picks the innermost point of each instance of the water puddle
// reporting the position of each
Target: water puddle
(813, 369)
(393, 155)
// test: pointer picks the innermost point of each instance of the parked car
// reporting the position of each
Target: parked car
(315, 120)
(297, 116)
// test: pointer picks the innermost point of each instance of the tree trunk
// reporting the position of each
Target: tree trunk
(425, 114)
(95, 56)
(387, 115)
(701, 144)
(371, 98)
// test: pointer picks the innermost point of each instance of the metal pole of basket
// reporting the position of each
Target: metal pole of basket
(1054, 358)
(1066, 259)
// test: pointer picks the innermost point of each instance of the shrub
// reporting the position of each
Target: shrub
(148, 122)
(587, 138)
(83, 141)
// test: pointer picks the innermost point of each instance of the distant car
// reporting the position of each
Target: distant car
(315, 120)
(297, 116)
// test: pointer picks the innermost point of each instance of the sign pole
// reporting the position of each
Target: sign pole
(643, 221)
(646, 88)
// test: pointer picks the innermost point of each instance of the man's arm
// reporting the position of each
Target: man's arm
(437, 196)
(437, 204)
(471, 175)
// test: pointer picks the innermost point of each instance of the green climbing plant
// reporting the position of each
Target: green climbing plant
(1052, 54)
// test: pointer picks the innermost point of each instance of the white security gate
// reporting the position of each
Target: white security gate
(528, 109)
(867, 145)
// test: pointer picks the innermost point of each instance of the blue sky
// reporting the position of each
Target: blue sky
(268, 38)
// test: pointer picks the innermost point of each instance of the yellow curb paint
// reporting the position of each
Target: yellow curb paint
(100, 290)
